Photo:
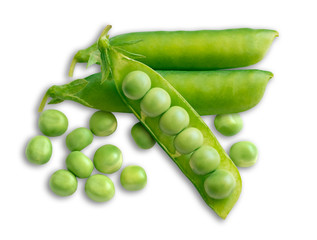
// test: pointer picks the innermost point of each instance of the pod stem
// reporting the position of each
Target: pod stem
(72, 67)
(44, 100)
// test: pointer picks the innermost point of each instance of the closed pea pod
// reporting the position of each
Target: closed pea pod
(188, 50)
(78, 139)
(120, 66)
(208, 92)
(142, 137)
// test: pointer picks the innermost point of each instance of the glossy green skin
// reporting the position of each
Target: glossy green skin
(99, 188)
(136, 84)
(142, 137)
(243, 154)
(63, 183)
(79, 164)
(133, 178)
(174, 120)
(53, 123)
(191, 50)
(120, 66)
(188, 140)
(228, 124)
(39, 150)
(208, 92)
(102, 123)
(155, 102)
(78, 139)
(108, 159)
(204, 160)
(219, 184)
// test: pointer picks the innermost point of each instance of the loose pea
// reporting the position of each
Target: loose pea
(136, 84)
(102, 123)
(155, 102)
(219, 184)
(99, 188)
(228, 124)
(108, 159)
(204, 160)
(79, 164)
(133, 178)
(78, 139)
(39, 150)
(63, 183)
(174, 120)
(188, 140)
(53, 123)
(142, 137)
(243, 154)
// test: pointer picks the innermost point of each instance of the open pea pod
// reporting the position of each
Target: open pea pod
(119, 66)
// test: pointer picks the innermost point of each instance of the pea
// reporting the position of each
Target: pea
(155, 102)
(142, 137)
(188, 140)
(39, 150)
(243, 154)
(108, 159)
(63, 183)
(79, 164)
(53, 123)
(133, 178)
(219, 184)
(228, 124)
(136, 84)
(103, 123)
(174, 120)
(204, 160)
(99, 188)
(78, 139)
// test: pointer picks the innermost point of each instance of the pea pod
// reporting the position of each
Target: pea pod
(209, 92)
(119, 65)
(188, 50)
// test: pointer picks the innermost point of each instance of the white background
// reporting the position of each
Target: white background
(279, 199)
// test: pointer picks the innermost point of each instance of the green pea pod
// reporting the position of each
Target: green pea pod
(209, 92)
(188, 50)
(119, 66)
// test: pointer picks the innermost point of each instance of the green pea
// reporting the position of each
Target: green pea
(174, 120)
(155, 102)
(133, 178)
(99, 188)
(79, 164)
(243, 154)
(63, 183)
(78, 139)
(53, 123)
(204, 160)
(39, 150)
(103, 123)
(219, 184)
(228, 124)
(188, 140)
(142, 137)
(136, 84)
(108, 159)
